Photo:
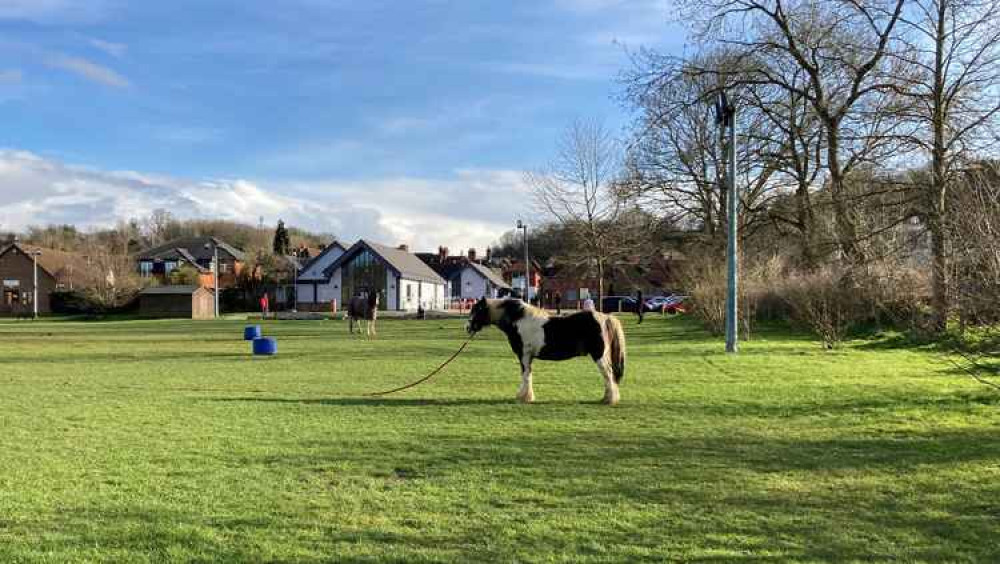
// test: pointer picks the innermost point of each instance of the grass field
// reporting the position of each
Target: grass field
(165, 441)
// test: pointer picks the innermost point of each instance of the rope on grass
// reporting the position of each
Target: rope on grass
(429, 376)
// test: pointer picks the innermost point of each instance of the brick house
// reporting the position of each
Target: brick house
(17, 281)
(194, 252)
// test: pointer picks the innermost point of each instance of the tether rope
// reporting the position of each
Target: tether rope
(429, 376)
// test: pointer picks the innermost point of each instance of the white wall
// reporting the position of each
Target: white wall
(327, 290)
(432, 295)
(390, 290)
(428, 294)
(473, 284)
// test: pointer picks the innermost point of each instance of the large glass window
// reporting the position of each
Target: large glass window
(362, 275)
(146, 268)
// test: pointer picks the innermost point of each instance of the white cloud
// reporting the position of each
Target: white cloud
(470, 208)
(91, 71)
(114, 49)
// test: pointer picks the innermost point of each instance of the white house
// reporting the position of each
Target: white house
(472, 280)
(314, 285)
(402, 280)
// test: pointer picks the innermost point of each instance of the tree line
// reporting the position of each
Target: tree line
(866, 153)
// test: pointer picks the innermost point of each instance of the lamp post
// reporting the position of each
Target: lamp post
(725, 117)
(215, 272)
(295, 283)
(34, 283)
(527, 268)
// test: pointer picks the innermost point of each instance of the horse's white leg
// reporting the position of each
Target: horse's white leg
(610, 387)
(526, 393)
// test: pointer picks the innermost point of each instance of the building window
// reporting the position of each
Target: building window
(362, 275)
(146, 268)
(409, 292)
(223, 267)
(169, 266)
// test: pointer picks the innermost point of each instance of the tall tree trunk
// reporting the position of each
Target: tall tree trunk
(600, 284)
(936, 211)
(847, 231)
(806, 219)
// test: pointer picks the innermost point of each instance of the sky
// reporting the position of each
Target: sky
(408, 121)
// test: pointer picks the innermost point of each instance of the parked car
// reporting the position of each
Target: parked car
(612, 304)
(656, 303)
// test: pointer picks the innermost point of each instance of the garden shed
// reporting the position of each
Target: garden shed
(190, 302)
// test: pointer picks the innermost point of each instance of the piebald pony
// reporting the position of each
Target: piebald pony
(533, 334)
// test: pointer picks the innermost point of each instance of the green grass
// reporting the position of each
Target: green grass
(165, 441)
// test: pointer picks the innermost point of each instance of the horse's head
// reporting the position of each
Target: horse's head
(479, 317)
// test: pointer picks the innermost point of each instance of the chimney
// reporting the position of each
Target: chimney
(442, 254)
(472, 254)
(489, 255)
(404, 247)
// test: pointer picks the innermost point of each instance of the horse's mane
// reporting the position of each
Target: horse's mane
(501, 308)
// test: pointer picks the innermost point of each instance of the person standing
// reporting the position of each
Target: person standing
(558, 303)
(640, 305)
(264, 305)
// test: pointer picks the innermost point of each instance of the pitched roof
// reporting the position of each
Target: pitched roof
(406, 264)
(490, 274)
(172, 290)
(309, 264)
(194, 247)
(56, 264)
(4, 249)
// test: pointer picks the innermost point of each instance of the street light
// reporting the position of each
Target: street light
(34, 283)
(295, 282)
(215, 272)
(527, 268)
(725, 116)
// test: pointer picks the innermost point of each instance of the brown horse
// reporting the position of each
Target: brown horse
(365, 311)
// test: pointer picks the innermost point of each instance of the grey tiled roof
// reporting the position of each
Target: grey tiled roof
(408, 265)
(489, 274)
(193, 246)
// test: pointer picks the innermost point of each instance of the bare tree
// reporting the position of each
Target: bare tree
(578, 190)
(956, 46)
(841, 46)
(675, 162)
(111, 279)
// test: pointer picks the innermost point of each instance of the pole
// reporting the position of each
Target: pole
(527, 268)
(295, 286)
(215, 266)
(732, 254)
(34, 285)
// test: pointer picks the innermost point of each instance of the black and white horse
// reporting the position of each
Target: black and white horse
(533, 334)
(364, 310)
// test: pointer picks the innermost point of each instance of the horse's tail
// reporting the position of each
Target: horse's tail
(615, 338)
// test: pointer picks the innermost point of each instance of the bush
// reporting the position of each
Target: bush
(823, 302)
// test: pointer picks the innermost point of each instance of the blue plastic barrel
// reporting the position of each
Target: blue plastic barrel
(251, 332)
(265, 346)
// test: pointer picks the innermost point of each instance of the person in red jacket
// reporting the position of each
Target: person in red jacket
(264, 304)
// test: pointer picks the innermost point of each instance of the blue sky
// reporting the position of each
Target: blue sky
(406, 121)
